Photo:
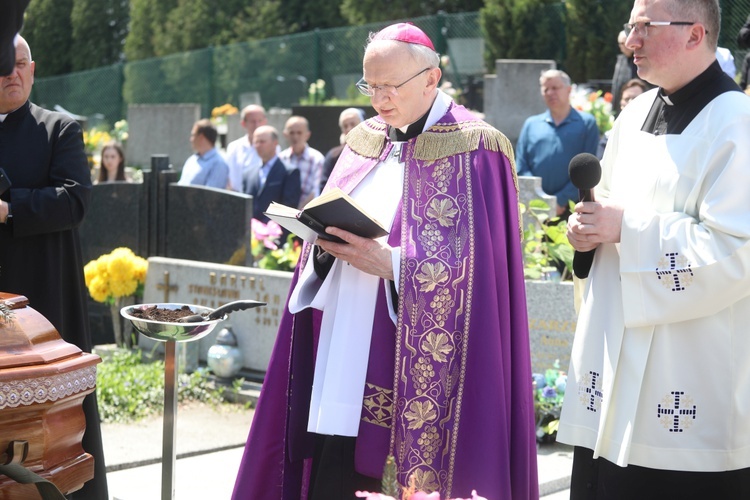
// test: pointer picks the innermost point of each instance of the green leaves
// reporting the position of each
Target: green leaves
(128, 389)
(545, 243)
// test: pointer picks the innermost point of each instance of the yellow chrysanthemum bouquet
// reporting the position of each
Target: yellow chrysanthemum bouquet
(120, 273)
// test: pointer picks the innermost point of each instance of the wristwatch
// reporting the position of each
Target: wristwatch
(9, 217)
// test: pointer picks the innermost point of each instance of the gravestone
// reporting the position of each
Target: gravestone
(512, 94)
(213, 285)
(117, 216)
(207, 224)
(552, 323)
(467, 55)
(324, 124)
(530, 188)
(343, 82)
(234, 127)
(248, 98)
(160, 128)
(277, 118)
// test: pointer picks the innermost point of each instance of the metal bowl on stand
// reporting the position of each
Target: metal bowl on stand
(171, 331)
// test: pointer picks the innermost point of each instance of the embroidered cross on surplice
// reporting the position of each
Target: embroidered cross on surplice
(589, 394)
(681, 414)
(674, 277)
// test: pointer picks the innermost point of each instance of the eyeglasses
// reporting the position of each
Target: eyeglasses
(368, 90)
(641, 28)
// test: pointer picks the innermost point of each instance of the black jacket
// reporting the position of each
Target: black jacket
(282, 186)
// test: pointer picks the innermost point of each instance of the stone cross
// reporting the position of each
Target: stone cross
(166, 286)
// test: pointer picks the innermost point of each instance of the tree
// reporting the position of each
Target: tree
(48, 30)
(147, 19)
(99, 31)
(371, 11)
(258, 21)
(523, 29)
(592, 30)
(306, 15)
(195, 24)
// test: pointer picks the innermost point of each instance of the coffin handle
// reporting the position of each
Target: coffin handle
(16, 453)
(12, 467)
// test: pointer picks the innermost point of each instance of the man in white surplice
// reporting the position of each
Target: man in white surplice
(657, 400)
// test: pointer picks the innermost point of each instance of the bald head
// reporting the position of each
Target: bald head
(348, 119)
(265, 140)
(15, 88)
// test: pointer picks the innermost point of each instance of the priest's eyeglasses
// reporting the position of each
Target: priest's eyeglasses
(641, 27)
(368, 90)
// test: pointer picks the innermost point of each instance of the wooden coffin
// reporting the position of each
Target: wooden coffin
(43, 381)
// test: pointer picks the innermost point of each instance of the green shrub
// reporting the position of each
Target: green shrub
(545, 244)
(127, 389)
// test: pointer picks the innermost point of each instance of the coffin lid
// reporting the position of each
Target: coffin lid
(27, 338)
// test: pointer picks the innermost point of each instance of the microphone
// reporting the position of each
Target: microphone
(585, 172)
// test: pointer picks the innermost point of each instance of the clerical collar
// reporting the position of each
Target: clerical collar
(412, 130)
(671, 114)
(16, 112)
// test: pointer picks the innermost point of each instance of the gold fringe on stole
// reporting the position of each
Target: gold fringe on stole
(439, 141)
(367, 139)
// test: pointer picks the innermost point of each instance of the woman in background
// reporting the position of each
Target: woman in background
(112, 164)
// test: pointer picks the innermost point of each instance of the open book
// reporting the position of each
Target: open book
(334, 208)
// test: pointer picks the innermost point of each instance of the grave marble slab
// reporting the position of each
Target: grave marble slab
(552, 323)
(511, 94)
(160, 129)
(116, 217)
(207, 224)
(530, 188)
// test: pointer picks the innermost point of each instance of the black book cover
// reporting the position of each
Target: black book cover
(333, 208)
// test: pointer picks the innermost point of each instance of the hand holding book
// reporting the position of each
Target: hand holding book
(334, 208)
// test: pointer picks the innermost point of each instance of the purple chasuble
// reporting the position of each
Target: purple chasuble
(448, 389)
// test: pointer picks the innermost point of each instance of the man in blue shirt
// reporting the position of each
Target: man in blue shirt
(206, 167)
(550, 140)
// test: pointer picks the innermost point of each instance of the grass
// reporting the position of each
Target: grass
(127, 389)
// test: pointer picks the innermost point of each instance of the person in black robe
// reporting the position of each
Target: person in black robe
(42, 153)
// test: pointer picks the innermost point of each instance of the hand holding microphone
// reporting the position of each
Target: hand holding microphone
(585, 172)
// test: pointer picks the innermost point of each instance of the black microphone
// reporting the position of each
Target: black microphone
(585, 172)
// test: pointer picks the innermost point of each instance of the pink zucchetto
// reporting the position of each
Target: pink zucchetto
(404, 32)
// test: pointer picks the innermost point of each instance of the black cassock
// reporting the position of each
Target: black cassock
(43, 155)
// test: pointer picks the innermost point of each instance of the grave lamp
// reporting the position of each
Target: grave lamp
(224, 357)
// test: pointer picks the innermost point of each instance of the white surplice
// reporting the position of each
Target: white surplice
(660, 366)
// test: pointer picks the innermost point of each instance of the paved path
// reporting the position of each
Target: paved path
(209, 448)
